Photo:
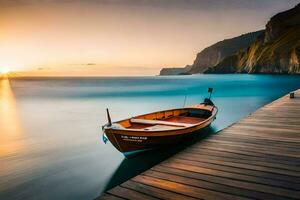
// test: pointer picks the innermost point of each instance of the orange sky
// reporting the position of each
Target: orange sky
(128, 37)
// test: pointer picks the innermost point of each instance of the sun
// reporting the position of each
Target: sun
(4, 70)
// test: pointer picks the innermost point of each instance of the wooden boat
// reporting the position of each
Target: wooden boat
(161, 128)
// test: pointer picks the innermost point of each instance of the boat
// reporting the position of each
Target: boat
(159, 129)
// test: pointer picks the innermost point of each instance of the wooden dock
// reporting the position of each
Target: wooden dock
(255, 158)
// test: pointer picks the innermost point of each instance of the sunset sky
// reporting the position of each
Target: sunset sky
(120, 37)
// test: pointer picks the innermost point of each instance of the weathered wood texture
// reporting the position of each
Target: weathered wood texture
(255, 158)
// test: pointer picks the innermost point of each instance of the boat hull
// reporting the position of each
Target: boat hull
(127, 141)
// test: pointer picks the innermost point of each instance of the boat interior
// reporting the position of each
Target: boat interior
(166, 120)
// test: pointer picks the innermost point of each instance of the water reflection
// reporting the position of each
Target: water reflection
(10, 128)
(10, 131)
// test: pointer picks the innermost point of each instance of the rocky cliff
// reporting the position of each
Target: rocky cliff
(277, 50)
(175, 71)
(212, 55)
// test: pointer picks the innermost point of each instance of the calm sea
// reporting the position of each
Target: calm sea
(50, 128)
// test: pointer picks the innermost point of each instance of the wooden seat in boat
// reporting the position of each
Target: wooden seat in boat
(160, 127)
(158, 122)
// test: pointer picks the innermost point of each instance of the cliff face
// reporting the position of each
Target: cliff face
(275, 51)
(212, 55)
(175, 71)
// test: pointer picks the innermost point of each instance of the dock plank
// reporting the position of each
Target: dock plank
(235, 163)
(253, 161)
(129, 194)
(245, 188)
(255, 158)
(183, 188)
(156, 192)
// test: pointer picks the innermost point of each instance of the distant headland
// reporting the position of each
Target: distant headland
(275, 50)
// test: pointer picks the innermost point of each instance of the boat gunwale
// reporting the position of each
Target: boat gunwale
(214, 112)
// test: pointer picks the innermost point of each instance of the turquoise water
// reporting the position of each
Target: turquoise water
(50, 138)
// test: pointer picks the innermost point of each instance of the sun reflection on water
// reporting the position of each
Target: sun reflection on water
(10, 128)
